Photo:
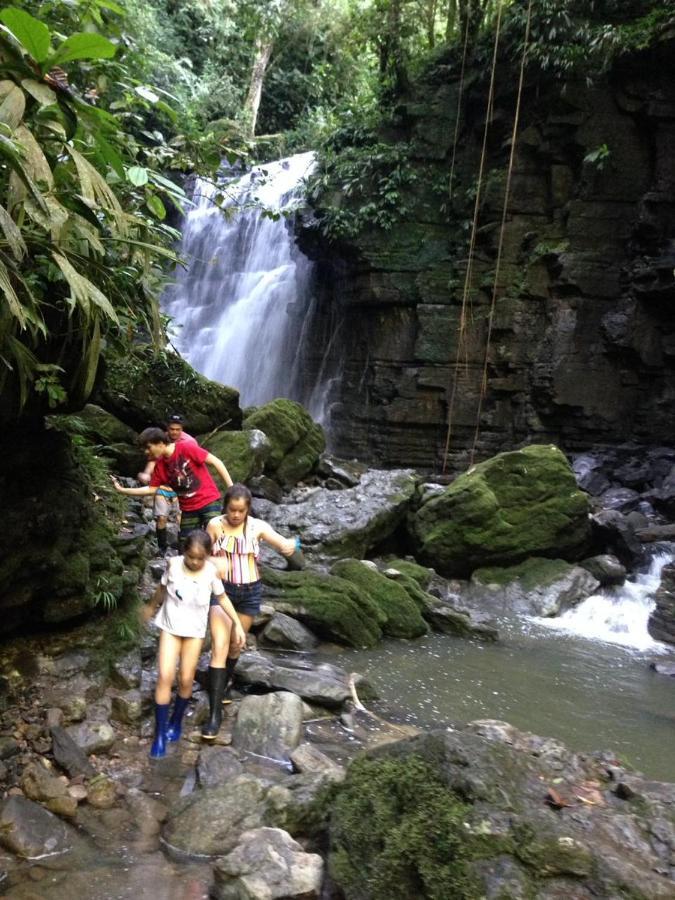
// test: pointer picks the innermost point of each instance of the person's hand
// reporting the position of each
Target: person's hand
(116, 484)
(239, 636)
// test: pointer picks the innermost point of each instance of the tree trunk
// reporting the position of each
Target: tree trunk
(252, 104)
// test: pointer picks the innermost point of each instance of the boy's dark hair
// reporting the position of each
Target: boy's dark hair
(152, 436)
(237, 492)
(199, 537)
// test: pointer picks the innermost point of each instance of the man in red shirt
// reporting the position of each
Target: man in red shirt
(165, 498)
(182, 465)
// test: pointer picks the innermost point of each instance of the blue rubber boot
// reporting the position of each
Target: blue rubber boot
(173, 732)
(158, 749)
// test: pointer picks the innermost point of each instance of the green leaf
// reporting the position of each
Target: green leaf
(44, 95)
(30, 32)
(12, 234)
(84, 291)
(137, 175)
(12, 107)
(13, 302)
(83, 46)
(146, 93)
(156, 207)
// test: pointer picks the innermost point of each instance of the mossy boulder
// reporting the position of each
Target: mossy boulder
(333, 608)
(243, 452)
(538, 587)
(117, 441)
(296, 440)
(420, 574)
(517, 504)
(147, 385)
(403, 616)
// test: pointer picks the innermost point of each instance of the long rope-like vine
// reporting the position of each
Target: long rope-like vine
(507, 189)
(461, 334)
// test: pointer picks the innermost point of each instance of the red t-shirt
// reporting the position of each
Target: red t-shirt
(186, 472)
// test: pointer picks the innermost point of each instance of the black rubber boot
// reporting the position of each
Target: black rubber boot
(217, 681)
(162, 542)
(230, 666)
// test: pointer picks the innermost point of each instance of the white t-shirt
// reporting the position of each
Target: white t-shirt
(185, 610)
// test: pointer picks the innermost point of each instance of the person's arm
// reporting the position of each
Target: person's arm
(145, 476)
(285, 546)
(134, 492)
(149, 609)
(212, 460)
(226, 606)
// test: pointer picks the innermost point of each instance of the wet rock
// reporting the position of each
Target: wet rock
(663, 668)
(74, 695)
(538, 587)
(217, 765)
(287, 633)
(296, 441)
(101, 792)
(324, 685)
(69, 755)
(516, 505)
(346, 473)
(92, 737)
(127, 707)
(661, 624)
(53, 717)
(621, 498)
(147, 812)
(30, 831)
(38, 783)
(62, 806)
(269, 725)
(265, 865)
(340, 524)
(208, 823)
(9, 746)
(612, 531)
(125, 673)
(605, 568)
(308, 758)
(266, 488)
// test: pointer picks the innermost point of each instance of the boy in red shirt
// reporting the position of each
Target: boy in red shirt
(183, 466)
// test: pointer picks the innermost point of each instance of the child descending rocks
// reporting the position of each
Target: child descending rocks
(236, 536)
(183, 466)
(186, 590)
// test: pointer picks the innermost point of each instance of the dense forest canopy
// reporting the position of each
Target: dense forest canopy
(105, 106)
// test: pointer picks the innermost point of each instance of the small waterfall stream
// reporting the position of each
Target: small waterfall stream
(617, 615)
(241, 305)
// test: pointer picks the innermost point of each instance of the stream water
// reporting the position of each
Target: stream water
(583, 678)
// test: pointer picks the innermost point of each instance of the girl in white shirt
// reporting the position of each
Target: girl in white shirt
(186, 588)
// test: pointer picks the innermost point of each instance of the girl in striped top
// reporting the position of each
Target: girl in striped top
(236, 537)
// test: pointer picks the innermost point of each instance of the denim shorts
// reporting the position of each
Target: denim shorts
(246, 598)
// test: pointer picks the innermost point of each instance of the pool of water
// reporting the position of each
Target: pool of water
(590, 694)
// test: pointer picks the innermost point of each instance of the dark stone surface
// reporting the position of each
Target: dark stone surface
(583, 340)
(661, 623)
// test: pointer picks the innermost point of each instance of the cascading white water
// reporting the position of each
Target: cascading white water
(617, 615)
(238, 307)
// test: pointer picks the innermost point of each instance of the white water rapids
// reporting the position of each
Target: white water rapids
(617, 615)
(239, 306)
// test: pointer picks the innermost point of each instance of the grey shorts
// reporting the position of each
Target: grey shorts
(165, 503)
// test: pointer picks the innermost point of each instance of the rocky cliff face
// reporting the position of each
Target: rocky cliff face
(582, 349)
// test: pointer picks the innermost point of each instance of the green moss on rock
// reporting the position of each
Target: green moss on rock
(403, 617)
(532, 573)
(421, 574)
(517, 504)
(397, 831)
(296, 440)
(332, 607)
(243, 452)
(146, 386)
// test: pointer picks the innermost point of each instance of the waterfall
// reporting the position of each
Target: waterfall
(618, 615)
(241, 305)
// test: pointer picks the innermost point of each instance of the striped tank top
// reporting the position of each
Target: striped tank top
(238, 555)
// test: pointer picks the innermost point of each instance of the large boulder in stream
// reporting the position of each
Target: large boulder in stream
(340, 524)
(537, 587)
(489, 811)
(517, 504)
(661, 624)
(296, 441)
